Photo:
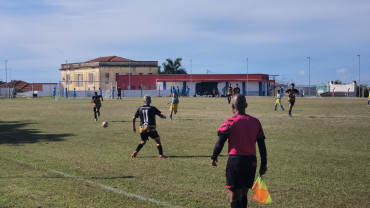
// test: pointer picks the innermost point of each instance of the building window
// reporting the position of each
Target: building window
(68, 79)
(117, 76)
(142, 87)
(150, 73)
(131, 87)
(106, 78)
(140, 73)
(91, 78)
(79, 79)
(152, 87)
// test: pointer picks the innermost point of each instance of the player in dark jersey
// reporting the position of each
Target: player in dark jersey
(97, 104)
(119, 91)
(147, 115)
(242, 132)
(291, 97)
(229, 93)
(236, 89)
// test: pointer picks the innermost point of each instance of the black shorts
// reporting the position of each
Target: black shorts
(151, 134)
(291, 102)
(97, 107)
(240, 171)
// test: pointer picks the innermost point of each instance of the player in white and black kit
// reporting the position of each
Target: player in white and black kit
(147, 115)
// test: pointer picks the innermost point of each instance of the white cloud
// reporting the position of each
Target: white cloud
(342, 71)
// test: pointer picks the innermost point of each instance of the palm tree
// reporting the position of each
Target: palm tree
(173, 67)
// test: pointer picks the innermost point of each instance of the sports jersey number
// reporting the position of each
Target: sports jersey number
(145, 116)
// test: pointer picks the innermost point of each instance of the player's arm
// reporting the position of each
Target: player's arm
(162, 116)
(133, 124)
(222, 138)
(263, 154)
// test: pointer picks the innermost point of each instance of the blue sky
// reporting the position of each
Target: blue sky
(37, 36)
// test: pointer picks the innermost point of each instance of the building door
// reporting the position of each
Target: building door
(205, 88)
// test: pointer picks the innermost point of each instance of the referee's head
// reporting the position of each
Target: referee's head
(239, 104)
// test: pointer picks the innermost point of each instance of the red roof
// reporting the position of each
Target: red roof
(110, 59)
(24, 86)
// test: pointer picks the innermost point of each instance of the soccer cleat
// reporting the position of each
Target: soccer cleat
(162, 156)
(134, 154)
(96, 119)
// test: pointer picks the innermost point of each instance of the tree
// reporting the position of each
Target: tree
(173, 67)
(337, 82)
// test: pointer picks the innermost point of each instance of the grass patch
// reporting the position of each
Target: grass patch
(318, 158)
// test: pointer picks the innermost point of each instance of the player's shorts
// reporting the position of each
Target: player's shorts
(97, 107)
(240, 171)
(173, 107)
(146, 135)
(277, 102)
(291, 102)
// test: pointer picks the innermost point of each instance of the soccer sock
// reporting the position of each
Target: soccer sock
(275, 107)
(368, 102)
(138, 148)
(171, 116)
(235, 204)
(244, 202)
(290, 112)
(282, 107)
(160, 150)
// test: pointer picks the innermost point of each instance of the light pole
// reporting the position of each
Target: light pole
(6, 71)
(247, 77)
(309, 76)
(359, 85)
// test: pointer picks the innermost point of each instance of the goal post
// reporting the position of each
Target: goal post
(70, 89)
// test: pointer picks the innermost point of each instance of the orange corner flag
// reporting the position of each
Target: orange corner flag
(261, 193)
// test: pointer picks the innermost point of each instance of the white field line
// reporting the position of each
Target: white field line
(109, 188)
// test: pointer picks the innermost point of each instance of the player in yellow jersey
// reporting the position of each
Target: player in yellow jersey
(278, 101)
(229, 93)
(368, 102)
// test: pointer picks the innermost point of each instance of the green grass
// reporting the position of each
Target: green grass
(318, 158)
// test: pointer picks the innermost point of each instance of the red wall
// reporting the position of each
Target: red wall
(147, 80)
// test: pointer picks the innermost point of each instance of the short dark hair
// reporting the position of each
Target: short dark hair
(292, 84)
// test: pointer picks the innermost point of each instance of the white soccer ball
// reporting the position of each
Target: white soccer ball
(104, 124)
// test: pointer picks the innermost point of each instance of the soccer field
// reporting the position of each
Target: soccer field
(54, 154)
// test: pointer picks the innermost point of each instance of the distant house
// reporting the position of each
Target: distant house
(103, 72)
(27, 89)
(340, 90)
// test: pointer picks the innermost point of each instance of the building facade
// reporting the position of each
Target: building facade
(345, 90)
(199, 84)
(103, 72)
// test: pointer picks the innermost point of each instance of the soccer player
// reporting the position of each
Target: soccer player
(242, 132)
(147, 125)
(178, 91)
(174, 103)
(368, 102)
(54, 91)
(278, 101)
(97, 104)
(236, 89)
(65, 93)
(112, 92)
(119, 93)
(229, 93)
(100, 92)
(291, 93)
(187, 90)
(74, 93)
